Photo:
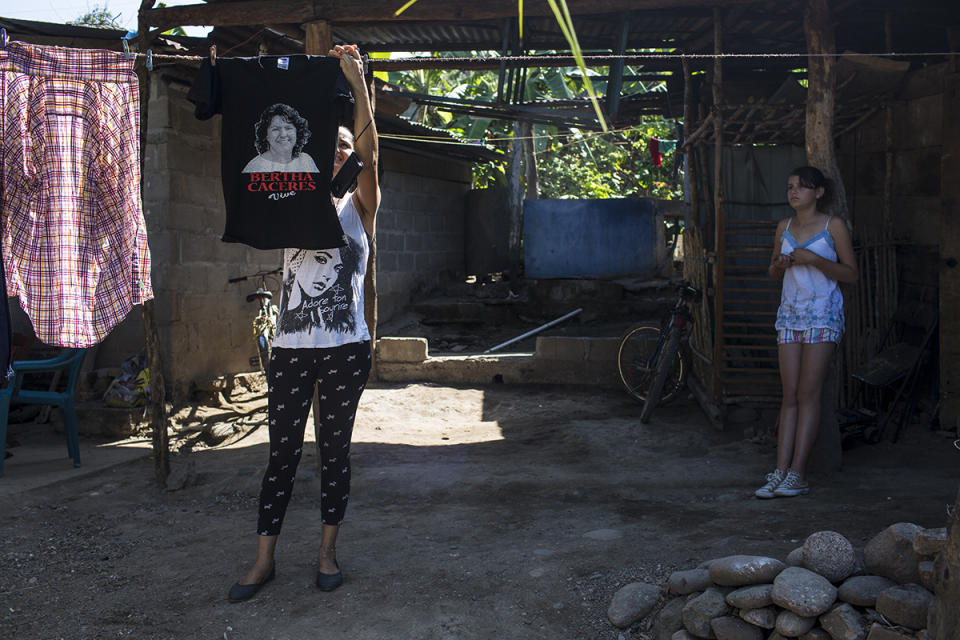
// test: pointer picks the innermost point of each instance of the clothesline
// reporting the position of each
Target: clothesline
(387, 62)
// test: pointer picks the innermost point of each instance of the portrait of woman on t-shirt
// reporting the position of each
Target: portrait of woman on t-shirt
(279, 137)
(319, 292)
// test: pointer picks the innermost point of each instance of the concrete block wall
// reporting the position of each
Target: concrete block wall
(917, 113)
(205, 323)
(420, 227)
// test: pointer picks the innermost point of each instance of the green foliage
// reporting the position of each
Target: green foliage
(99, 17)
(570, 163)
(616, 164)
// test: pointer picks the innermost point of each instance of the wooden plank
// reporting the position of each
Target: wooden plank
(252, 12)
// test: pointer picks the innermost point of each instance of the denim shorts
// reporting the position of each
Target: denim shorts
(808, 336)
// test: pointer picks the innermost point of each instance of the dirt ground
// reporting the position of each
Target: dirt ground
(501, 512)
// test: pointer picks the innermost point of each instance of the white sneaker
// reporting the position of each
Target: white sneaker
(792, 485)
(773, 481)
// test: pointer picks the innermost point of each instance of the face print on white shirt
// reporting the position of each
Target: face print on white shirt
(318, 272)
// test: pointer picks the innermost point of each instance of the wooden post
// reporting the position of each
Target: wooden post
(157, 410)
(821, 153)
(690, 161)
(944, 618)
(515, 183)
(319, 38)
(950, 256)
(719, 220)
(370, 301)
(615, 83)
(821, 44)
(530, 162)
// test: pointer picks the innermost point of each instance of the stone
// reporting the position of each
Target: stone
(764, 617)
(803, 592)
(843, 622)
(730, 628)
(816, 634)
(752, 597)
(684, 582)
(631, 603)
(401, 349)
(795, 558)
(683, 635)
(740, 570)
(830, 554)
(791, 625)
(890, 553)
(668, 620)
(929, 542)
(906, 604)
(880, 632)
(699, 611)
(928, 575)
(863, 590)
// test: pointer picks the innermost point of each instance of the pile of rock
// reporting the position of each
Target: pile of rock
(824, 590)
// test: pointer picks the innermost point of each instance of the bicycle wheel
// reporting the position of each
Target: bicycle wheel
(670, 364)
(635, 361)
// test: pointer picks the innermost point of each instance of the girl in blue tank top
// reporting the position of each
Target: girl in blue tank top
(812, 254)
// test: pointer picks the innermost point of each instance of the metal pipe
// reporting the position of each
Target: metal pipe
(537, 330)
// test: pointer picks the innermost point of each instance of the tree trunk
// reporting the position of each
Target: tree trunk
(821, 44)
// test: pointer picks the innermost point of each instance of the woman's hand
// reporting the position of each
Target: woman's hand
(350, 63)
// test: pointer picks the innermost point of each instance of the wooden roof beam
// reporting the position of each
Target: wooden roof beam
(250, 12)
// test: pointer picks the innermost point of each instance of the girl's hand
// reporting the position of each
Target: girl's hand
(350, 62)
(804, 256)
(783, 262)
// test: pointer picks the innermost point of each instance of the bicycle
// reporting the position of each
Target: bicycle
(653, 367)
(265, 324)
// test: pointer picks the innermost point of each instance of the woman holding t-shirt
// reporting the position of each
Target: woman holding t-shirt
(321, 339)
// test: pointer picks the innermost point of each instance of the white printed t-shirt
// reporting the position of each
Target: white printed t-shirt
(321, 301)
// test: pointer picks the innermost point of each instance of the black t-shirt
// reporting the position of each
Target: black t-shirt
(279, 137)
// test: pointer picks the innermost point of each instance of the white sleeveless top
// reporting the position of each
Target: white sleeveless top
(809, 299)
(321, 300)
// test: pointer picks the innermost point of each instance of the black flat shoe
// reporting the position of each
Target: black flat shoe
(329, 581)
(240, 592)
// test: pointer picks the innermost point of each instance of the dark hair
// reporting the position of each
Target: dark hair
(289, 114)
(813, 178)
(339, 319)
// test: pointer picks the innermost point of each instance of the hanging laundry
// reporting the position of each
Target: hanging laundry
(73, 235)
(655, 155)
(279, 137)
(6, 329)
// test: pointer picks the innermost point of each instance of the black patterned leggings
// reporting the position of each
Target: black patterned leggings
(340, 374)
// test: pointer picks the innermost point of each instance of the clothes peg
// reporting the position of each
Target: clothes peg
(126, 48)
(149, 59)
(213, 55)
(4, 38)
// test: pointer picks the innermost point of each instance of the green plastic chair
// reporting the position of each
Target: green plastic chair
(70, 361)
